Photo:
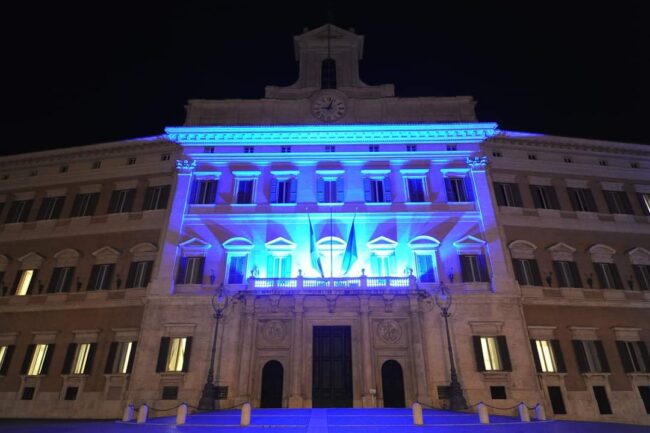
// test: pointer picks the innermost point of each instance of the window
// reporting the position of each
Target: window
(165, 157)
(426, 271)
(590, 355)
(527, 272)
(642, 273)
(544, 197)
(84, 204)
(617, 202)
(644, 202)
(283, 191)
(373, 148)
(25, 282)
(532, 156)
(130, 161)
(634, 356)
(285, 149)
(278, 266)
(567, 274)
(548, 356)
(169, 393)
(411, 147)
(497, 154)
(330, 148)
(459, 189)
(204, 191)
(96, 165)
(236, 269)
(557, 401)
(61, 280)
(19, 211)
(139, 274)
(329, 190)
(156, 197)
(377, 190)
(71, 393)
(33, 173)
(174, 354)
(328, 74)
(249, 149)
(208, 149)
(582, 200)
(600, 393)
(416, 189)
(382, 265)
(634, 165)
(121, 201)
(644, 391)
(244, 191)
(101, 277)
(63, 169)
(608, 276)
(37, 359)
(190, 270)
(79, 358)
(452, 147)
(602, 162)
(498, 392)
(120, 357)
(50, 208)
(568, 159)
(474, 268)
(491, 353)
(507, 194)
(6, 353)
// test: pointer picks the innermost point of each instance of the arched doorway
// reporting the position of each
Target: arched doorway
(272, 377)
(392, 381)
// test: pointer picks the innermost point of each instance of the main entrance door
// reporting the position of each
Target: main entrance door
(332, 370)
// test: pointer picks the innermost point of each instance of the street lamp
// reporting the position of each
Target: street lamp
(456, 399)
(219, 303)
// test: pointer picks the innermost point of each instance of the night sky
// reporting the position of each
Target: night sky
(76, 75)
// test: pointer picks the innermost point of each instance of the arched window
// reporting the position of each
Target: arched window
(328, 74)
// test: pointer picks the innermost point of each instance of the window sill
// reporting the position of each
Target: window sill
(595, 375)
(331, 204)
(283, 204)
(378, 203)
(417, 202)
(172, 374)
(243, 204)
(495, 376)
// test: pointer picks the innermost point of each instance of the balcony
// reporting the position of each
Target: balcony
(303, 284)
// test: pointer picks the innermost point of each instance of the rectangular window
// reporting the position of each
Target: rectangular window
(527, 272)
(507, 194)
(278, 267)
(121, 201)
(249, 149)
(63, 169)
(557, 401)
(37, 360)
(644, 391)
(608, 276)
(236, 269)
(377, 190)
(415, 189)
(634, 356)
(329, 190)
(373, 148)
(459, 189)
(582, 200)
(204, 191)
(84, 204)
(120, 357)
(617, 202)
(491, 353)
(330, 148)
(165, 156)
(61, 280)
(25, 280)
(285, 149)
(644, 202)
(50, 208)
(156, 197)
(600, 393)
(19, 211)
(545, 357)
(283, 191)
(426, 271)
(544, 197)
(6, 353)
(101, 277)
(81, 359)
(139, 274)
(474, 268)
(382, 265)
(208, 149)
(567, 274)
(642, 273)
(130, 161)
(590, 355)
(71, 393)
(96, 165)
(191, 270)
(244, 191)
(174, 354)
(411, 147)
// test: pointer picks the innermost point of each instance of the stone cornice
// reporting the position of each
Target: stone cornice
(332, 134)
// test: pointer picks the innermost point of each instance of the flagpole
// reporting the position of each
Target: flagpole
(331, 247)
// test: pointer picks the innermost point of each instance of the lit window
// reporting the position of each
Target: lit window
(416, 191)
(236, 269)
(176, 354)
(6, 353)
(244, 191)
(377, 190)
(156, 197)
(139, 274)
(545, 356)
(490, 352)
(81, 359)
(24, 282)
(191, 270)
(278, 266)
(120, 357)
(37, 360)
(382, 265)
(121, 201)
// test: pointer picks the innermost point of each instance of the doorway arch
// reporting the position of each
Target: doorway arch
(392, 381)
(272, 380)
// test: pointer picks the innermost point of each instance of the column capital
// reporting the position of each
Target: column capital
(477, 163)
(185, 165)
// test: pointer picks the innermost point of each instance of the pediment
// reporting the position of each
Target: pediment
(195, 244)
(601, 249)
(106, 255)
(281, 244)
(31, 260)
(333, 242)
(638, 252)
(68, 253)
(238, 244)
(424, 242)
(144, 247)
(521, 249)
(561, 247)
(322, 33)
(382, 243)
(469, 241)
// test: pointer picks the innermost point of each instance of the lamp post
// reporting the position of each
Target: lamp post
(456, 399)
(219, 302)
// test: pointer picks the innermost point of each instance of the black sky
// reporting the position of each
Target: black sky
(76, 75)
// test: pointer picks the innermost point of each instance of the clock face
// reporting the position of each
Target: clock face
(328, 108)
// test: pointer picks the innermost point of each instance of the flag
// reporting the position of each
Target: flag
(350, 255)
(315, 259)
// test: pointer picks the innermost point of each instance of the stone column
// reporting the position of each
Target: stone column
(296, 397)
(417, 352)
(367, 398)
(243, 392)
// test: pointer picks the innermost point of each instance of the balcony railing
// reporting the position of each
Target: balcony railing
(361, 283)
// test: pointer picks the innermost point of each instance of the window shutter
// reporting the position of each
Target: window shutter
(33, 284)
(182, 268)
(164, 197)
(68, 280)
(643, 204)
(577, 282)
(320, 190)
(128, 201)
(14, 287)
(537, 278)
(92, 281)
(28, 358)
(516, 265)
(92, 204)
(573, 198)
(148, 199)
(625, 356)
(199, 275)
(503, 353)
(88, 369)
(601, 356)
(69, 358)
(293, 190)
(130, 278)
(591, 203)
(644, 355)
(600, 275)
(534, 191)
(48, 358)
(109, 277)
(555, 203)
(638, 273)
(625, 201)
(112, 203)
(187, 354)
(478, 353)
(274, 191)
(581, 356)
(28, 207)
(339, 190)
(129, 366)
(617, 277)
(538, 365)
(366, 190)
(388, 194)
(482, 266)
(162, 354)
(469, 188)
(5, 364)
(558, 355)
(498, 193)
(147, 272)
(466, 270)
(449, 187)
(56, 273)
(516, 194)
(611, 205)
(110, 359)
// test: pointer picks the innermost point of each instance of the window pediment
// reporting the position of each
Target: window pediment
(521, 249)
(280, 244)
(67, 257)
(469, 244)
(639, 256)
(333, 242)
(238, 244)
(31, 260)
(601, 253)
(106, 255)
(424, 243)
(381, 243)
(144, 251)
(561, 252)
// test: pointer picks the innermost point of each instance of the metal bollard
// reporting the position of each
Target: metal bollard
(245, 415)
(418, 419)
(143, 412)
(523, 413)
(483, 415)
(127, 416)
(540, 413)
(181, 414)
